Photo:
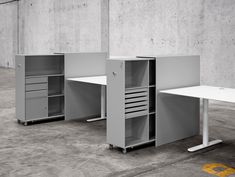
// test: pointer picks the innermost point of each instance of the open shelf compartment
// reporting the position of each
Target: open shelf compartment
(44, 65)
(152, 120)
(152, 99)
(55, 106)
(136, 130)
(152, 72)
(136, 74)
(56, 86)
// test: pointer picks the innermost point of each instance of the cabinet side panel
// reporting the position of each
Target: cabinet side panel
(20, 87)
(177, 117)
(116, 103)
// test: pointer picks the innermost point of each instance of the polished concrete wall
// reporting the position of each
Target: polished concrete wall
(8, 33)
(137, 27)
(162, 27)
(48, 26)
(63, 26)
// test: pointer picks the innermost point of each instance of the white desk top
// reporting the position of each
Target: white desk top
(101, 80)
(207, 92)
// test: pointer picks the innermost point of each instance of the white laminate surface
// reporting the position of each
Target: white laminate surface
(101, 80)
(206, 92)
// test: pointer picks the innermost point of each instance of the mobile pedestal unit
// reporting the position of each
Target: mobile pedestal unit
(137, 114)
(39, 87)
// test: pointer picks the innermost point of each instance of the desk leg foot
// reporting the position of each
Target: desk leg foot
(202, 146)
(95, 119)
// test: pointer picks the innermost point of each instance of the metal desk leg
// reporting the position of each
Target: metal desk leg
(103, 105)
(206, 142)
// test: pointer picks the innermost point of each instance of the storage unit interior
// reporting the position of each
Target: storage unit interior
(139, 102)
(136, 130)
(48, 69)
(44, 65)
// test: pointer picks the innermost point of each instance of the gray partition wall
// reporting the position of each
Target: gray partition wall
(83, 100)
(177, 116)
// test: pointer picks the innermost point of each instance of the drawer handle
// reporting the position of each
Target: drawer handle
(19, 65)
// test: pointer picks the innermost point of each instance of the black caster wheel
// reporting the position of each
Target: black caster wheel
(110, 146)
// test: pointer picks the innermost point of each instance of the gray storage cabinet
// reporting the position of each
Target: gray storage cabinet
(130, 112)
(39, 87)
(137, 113)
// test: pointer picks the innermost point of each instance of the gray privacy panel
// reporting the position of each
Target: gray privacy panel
(177, 116)
(85, 64)
(82, 100)
(178, 71)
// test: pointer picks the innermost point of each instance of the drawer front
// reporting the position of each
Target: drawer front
(35, 94)
(136, 102)
(36, 108)
(31, 87)
(36, 80)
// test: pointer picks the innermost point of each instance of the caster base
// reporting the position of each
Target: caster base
(110, 146)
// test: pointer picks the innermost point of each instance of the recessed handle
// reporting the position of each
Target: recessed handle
(19, 65)
(114, 73)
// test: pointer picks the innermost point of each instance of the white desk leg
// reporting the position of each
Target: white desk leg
(205, 135)
(103, 105)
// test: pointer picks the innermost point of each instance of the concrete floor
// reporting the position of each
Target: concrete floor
(76, 149)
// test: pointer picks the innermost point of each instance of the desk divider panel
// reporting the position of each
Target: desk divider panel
(177, 116)
(82, 100)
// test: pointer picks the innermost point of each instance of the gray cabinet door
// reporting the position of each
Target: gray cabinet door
(20, 87)
(116, 102)
(36, 107)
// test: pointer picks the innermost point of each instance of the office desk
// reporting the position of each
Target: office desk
(100, 80)
(206, 93)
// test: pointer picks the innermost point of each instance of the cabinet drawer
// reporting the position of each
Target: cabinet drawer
(31, 87)
(36, 80)
(136, 102)
(34, 94)
(36, 108)
(136, 114)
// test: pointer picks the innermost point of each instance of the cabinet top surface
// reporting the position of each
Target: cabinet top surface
(130, 58)
(40, 55)
(165, 56)
(206, 92)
